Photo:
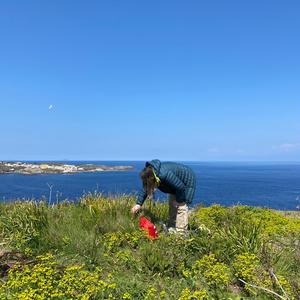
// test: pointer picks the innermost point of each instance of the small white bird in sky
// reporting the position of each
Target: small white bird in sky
(50, 107)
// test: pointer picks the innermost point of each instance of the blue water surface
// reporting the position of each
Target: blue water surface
(274, 185)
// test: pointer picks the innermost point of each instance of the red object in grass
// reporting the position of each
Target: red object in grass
(149, 227)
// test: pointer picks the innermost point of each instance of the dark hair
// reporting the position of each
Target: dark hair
(149, 182)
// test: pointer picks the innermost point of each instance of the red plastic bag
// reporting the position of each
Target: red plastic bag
(149, 227)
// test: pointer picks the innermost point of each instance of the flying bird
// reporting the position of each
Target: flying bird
(50, 107)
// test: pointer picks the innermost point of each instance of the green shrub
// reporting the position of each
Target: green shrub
(22, 223)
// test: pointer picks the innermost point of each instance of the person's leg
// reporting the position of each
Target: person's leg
(182, 218)
(172, 211)
(178, 215)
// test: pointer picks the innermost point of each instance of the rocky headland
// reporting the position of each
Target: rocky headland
(54, 168)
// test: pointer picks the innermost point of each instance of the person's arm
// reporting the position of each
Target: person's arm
(141, 197)
(176, 184)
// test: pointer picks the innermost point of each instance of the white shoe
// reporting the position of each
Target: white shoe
(164, 226)
(172, 230)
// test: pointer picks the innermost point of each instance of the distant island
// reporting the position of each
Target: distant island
(54, 168)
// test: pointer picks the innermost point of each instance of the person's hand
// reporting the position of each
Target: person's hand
(136, 208)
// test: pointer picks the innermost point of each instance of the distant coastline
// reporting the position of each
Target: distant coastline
(55, 168)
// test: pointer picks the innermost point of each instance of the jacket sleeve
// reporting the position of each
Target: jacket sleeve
(141, 197)
(189, 194)
(176, 184)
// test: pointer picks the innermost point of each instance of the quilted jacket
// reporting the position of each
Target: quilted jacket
(175, 178)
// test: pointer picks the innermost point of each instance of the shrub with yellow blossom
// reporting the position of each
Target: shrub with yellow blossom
(248, 269)
(187, 294)
(216, 274)
(47, 280)
(245, 266)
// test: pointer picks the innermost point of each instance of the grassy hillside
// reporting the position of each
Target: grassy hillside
(95, 250)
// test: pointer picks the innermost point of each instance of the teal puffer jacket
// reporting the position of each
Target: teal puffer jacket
(175, 178)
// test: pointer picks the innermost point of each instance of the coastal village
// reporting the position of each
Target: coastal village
(54, 168)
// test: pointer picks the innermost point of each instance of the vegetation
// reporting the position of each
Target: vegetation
(94, 249)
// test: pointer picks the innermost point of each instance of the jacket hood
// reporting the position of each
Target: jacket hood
(155, 163)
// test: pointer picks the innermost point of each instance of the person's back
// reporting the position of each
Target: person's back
(179, 180)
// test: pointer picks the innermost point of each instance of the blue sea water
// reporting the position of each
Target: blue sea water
(274, 185)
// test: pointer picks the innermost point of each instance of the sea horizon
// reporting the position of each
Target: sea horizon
(144, 160)
(267, 184)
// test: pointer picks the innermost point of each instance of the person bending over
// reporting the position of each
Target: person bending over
(178, 180)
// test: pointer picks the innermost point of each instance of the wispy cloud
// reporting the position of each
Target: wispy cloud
(288, 147)
(227, 151)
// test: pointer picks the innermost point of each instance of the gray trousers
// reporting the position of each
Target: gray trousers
(178, 215)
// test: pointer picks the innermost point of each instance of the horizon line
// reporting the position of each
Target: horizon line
(144, 160)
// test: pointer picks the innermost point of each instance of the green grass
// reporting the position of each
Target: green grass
(94, 249)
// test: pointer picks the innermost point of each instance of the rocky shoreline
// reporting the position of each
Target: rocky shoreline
(55, 168)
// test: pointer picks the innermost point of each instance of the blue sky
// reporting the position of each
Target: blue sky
(175, 80)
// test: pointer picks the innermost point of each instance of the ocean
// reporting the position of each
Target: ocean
(273, 185)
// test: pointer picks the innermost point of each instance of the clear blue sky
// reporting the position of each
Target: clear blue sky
(175, 80)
